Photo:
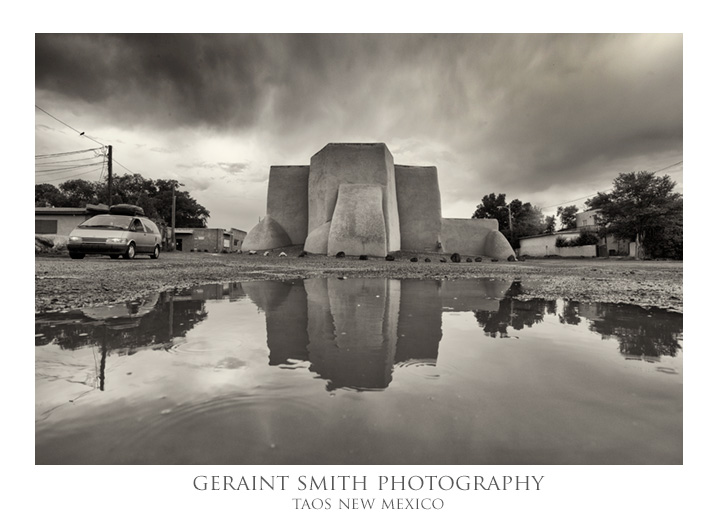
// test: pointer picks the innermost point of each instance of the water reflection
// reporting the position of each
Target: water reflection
(148, 323)
(649, 336)
(643, 334)
(353, 333)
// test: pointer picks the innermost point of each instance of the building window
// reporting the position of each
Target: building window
(46, 227)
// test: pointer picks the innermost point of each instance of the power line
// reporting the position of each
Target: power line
(81, 133)
(66, 168)
(59, 162)
(127, 168)
(74, 175)
(65, 153)
(672, 165)
(604, 190)
(102, 172)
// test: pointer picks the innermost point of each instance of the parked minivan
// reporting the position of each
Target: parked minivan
(115, 235)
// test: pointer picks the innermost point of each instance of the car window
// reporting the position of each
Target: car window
(107, 222)
(150, 227)
(136, 226)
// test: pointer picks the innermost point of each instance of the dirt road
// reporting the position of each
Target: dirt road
(62, 283)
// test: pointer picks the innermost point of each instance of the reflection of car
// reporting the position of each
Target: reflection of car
(115, 235)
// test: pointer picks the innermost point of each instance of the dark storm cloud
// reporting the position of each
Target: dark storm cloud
(159, 79)
(529, 110)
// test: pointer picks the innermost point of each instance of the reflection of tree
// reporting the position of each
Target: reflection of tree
(124, 327)
(640, 333)
(513, 313)
(570, 314)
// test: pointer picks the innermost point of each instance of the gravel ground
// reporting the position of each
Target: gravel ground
(62, 283)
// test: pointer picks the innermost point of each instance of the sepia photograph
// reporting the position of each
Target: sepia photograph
(359, 249)
(313, 262)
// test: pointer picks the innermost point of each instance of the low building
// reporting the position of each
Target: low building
(59, 220)
(209, 240)
(545, 245)
(609, 245)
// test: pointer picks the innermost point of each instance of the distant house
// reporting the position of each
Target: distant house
(209, 240)
(609, 244)
(59, 220)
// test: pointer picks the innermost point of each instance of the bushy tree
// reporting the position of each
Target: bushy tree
(567, 215)
(549, 224)
(47, 195)
(154, 196)
(644, 208)
(526, 219)
(493, 206)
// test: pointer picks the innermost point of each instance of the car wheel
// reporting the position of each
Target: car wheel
(77, 256)
(156, 252)
(130, 253)
(114, 257)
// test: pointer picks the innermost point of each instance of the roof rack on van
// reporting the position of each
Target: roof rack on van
(97, 209)
(127, 209)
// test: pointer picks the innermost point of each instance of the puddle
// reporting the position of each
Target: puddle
(359, 371)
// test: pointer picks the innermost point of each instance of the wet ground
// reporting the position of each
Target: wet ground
(359, 371)
(62, 283)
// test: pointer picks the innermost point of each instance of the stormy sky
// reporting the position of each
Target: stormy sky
(548, 119)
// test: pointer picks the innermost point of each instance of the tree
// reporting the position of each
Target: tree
(549, 224)
(79, 193)
(567, 215)
(493, 206)
(47, 195)
(154, 196)
(643, 207)
(516, 220)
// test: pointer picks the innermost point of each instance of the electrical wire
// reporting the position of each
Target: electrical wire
(65, 153)
(81, 133)
(65, 168)
(605, 190)
(58, 162)
(74, 175)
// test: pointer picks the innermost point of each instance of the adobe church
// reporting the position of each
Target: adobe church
(353, 198)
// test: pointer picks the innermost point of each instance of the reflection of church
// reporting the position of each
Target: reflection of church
(354, 331)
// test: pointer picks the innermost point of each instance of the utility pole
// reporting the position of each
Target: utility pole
(174, 204)
(109, 175)
(508, 209)
(175, 184)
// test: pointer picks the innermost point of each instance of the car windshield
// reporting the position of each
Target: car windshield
(107, 222)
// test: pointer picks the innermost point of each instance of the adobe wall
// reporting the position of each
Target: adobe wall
(419, 202)
(358, 226)
(338, 164)
(287, 200)
(268, 234)
(466, 236)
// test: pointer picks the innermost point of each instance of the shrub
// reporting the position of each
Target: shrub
(561, 242)
(586, 238)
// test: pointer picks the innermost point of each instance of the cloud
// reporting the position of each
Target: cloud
(517, 114)
(233, 168)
